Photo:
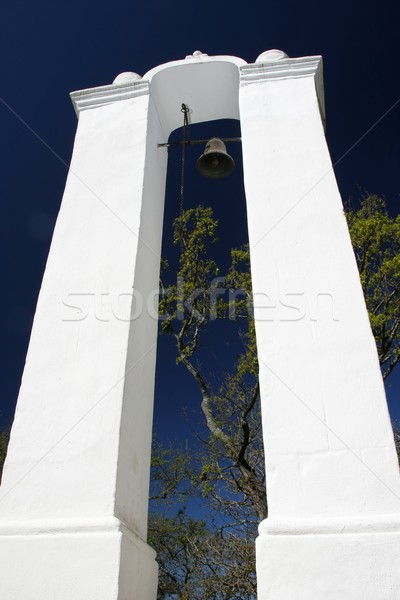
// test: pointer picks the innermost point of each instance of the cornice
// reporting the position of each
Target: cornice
(386, 523)
(107, 94)
(195, 58)
(283, 68)
(287, 68)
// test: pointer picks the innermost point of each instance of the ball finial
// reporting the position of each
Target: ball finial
(127, 77)
(271, 56)
(196, 54)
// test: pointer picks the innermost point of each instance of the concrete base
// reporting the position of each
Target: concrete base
(352, 560)
(65, 561)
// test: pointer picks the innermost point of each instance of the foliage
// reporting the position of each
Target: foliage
(396, 431)
(227, 471)
(232, 470)
(4, 437)
(171, 473)
(198, 564)
(376, 241)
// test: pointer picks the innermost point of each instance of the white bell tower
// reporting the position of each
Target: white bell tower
(73, 502)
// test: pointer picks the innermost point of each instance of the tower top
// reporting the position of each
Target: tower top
(209, 85)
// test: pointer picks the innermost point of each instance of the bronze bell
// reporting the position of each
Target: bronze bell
(215, 162)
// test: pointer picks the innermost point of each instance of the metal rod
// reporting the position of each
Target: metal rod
(190, 142)
(185, 138)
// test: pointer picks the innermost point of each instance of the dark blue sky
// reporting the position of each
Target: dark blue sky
(51, 48)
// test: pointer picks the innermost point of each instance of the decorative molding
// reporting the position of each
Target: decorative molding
(70, 527)
(389, 523)
(196, 54)
(287, 68)
(107, 94)
(284, 68)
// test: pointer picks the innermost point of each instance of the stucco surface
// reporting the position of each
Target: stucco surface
(73, 502)
(330, 458)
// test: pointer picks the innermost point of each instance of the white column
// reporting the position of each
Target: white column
(333, 529)
(73, 503)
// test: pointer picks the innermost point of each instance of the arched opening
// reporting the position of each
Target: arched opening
(208, 466)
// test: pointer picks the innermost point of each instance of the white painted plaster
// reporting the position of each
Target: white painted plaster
(207, 84)
(271, 56)
(196, 54)
(331, 464)
(332, 567)
(80, 447)
(127, 77)
(73, 503)
(80, 444)
(108, 94)
(79, 566)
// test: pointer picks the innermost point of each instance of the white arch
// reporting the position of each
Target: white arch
(208, 85)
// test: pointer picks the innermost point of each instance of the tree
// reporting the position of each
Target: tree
(234, 456)
(229, 470)
(197, 563)
(4, 437)
(376, 241)
(397, 440)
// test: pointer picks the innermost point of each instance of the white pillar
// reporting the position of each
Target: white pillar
(74, 495)
(73, 502)
(333, 529)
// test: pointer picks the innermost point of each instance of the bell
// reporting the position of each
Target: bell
(215, 162)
